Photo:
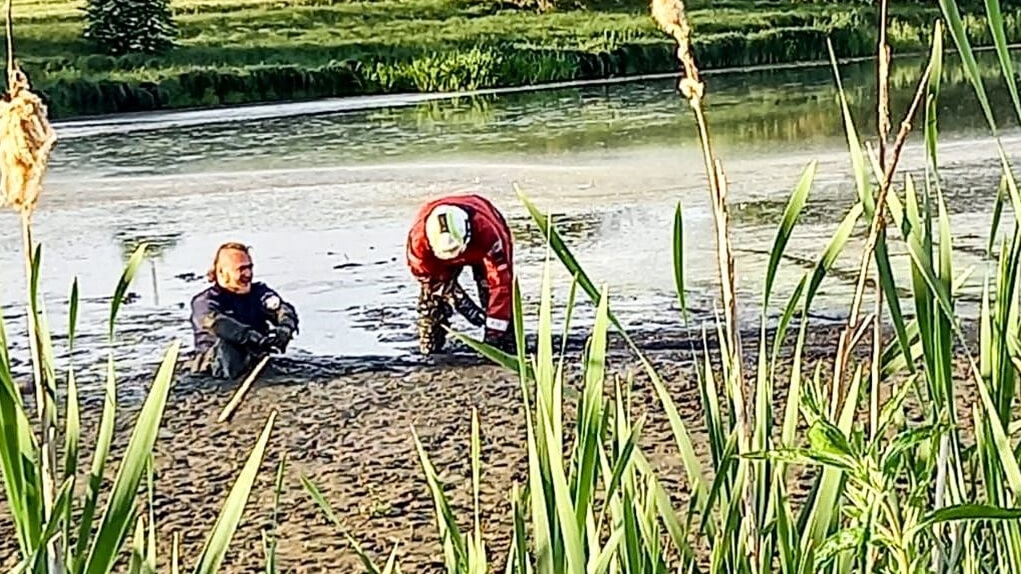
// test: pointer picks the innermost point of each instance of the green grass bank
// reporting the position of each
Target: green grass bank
(248, 51)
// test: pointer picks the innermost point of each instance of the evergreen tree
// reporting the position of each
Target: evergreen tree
(130, 26)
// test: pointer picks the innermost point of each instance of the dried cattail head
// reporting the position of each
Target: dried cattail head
(26, 139)
(670, 16)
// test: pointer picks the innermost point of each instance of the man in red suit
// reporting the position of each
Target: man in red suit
(447, 235)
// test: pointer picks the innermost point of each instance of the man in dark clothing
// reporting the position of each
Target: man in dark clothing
(237, 322)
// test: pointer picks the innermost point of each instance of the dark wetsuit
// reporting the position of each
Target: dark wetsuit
(228, 327)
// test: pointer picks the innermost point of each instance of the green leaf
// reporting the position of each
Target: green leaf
(971, 72)
(227, 522)
(795, 205)
(853, 143)
(836, 245)
(120, 510)
(679, 260)
(125, 281)
(454, 550)
(844, 540)
(967, 512)
(22, 482)
(99, 455)
(320, 500)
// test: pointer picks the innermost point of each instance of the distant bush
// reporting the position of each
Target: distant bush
(120, 27)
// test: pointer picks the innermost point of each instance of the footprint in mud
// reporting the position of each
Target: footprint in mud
(188, 277)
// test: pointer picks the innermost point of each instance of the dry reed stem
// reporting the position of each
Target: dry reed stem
(26, 139)
(671, 18)
(239, 394)
(877, 225)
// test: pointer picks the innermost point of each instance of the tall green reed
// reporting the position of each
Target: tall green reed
(889, 493)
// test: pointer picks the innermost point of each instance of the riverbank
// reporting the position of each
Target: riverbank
(257, 51)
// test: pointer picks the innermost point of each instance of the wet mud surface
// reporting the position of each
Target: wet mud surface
(347, 426)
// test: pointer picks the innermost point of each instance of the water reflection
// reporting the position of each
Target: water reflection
(757, 109)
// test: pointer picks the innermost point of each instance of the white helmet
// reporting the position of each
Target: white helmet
(448, 230)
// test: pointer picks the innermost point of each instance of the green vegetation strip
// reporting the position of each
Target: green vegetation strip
(248, 51)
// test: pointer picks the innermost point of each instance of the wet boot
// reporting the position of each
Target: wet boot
(506, 342)
(433, 316)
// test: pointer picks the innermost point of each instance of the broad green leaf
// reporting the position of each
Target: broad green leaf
(218, 540)
(787, 222)
(120, 510)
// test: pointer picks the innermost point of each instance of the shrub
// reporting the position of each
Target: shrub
(120, 27)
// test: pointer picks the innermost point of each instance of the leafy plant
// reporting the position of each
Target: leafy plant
(889, 494)
(119, 27)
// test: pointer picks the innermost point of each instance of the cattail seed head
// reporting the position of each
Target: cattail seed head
(26, 139)
(672, 19)
(669, 15)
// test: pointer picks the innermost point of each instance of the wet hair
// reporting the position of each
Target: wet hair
(229, 246)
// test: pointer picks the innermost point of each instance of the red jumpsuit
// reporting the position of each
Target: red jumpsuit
(489, 251)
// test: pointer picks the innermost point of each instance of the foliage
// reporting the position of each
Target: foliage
(890, 492)
(119, 27)
(237, 52)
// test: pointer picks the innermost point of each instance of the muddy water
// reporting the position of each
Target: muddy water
(324, 193)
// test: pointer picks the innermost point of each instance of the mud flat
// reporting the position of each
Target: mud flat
(347, 427)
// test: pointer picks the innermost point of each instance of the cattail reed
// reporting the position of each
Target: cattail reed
(26, 139)
(671, 17)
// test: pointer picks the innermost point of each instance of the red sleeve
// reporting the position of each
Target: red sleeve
(498, 263)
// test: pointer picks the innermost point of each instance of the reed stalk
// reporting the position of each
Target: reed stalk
(876, 230)
(26, 139)
(671, 17)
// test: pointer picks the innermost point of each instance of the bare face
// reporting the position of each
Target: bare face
(234, 271)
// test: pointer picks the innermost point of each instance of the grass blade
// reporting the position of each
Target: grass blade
(795, 205)
(679, 260)
(454, 551)
(953, 16)
(127, 276)
(234, 506)
(120, 510)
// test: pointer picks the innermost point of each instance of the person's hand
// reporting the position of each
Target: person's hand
(278, 338)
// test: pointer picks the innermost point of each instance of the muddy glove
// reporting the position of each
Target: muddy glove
(466, 307)
(276, 340)
(252, 340)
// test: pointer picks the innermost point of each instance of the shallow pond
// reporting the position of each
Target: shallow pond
(324, 191)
